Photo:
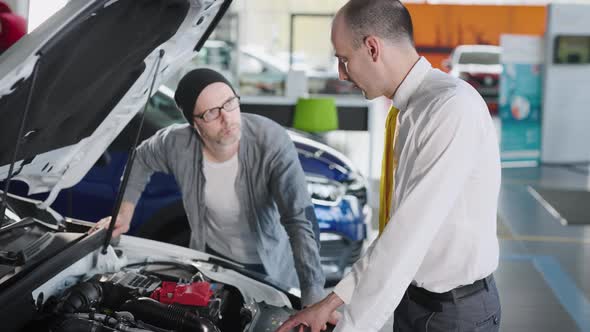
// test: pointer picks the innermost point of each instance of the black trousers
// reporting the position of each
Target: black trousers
(480, 311)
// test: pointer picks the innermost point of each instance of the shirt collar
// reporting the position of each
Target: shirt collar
(410, 84)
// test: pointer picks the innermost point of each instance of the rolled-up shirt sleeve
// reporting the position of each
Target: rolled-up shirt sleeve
(444, 161)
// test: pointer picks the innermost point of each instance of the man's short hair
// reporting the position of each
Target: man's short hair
(387, 19)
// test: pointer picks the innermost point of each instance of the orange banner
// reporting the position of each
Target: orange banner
(438, 29)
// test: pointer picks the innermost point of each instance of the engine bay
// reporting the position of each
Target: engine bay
(56, 278)
(159, 296)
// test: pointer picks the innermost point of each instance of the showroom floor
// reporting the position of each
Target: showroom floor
(544, 272)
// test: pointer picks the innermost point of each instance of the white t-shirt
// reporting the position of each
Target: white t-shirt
(228, 232)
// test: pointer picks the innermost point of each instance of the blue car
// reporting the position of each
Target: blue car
(338, 192)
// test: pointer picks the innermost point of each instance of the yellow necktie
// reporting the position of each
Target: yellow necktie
(388, 166)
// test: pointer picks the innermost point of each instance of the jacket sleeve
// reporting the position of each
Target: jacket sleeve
(289, 189)
(151, 156)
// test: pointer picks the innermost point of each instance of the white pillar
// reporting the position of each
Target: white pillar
(41, 10)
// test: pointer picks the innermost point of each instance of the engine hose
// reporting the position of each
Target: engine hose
(132, 329)
(109, 321)
(77, 324)
(101, 318)
(168, 316)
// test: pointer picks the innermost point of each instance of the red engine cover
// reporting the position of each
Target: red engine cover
(195, 294)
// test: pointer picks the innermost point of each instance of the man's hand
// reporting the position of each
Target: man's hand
(123, 220)
(316, 316)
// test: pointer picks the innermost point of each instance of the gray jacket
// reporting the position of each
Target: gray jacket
(270, 185)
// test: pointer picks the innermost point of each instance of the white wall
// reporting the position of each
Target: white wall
(566, 102)
(20, 7)
(41, 10)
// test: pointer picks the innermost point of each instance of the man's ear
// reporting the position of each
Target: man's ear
(196, 130)
(373, 45)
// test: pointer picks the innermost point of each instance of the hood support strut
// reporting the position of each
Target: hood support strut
(129, 164)
(19, 140)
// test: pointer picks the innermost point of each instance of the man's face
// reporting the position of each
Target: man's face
(224, 130)
(354, 65)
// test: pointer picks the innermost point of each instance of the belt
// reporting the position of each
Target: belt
(434, 301)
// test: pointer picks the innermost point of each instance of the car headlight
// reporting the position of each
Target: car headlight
(325, 192)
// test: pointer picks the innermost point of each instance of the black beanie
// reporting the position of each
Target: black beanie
(190, 87)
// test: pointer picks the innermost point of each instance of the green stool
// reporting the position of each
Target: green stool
(315, 115)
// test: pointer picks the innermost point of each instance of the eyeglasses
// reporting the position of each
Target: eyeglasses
(214, 113)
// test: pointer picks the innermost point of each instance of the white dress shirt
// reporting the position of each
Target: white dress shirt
(443, 228)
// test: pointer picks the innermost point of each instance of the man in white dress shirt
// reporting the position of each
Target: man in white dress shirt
(432, 264)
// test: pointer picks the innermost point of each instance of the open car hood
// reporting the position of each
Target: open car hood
(57, 279)
(83, 74)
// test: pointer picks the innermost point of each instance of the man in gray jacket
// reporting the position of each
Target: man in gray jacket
(243, 188)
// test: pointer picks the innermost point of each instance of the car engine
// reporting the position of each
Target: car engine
(154, 297)
(62, 279)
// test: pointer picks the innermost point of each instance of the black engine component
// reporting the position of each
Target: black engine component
(124, 285)
(119, 302)
(81, 298)
(77, 324)
(168, 316)
(144, 285)
(108, 291)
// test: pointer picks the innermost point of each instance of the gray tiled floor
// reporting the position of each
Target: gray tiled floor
(527, 302)
(564, 251)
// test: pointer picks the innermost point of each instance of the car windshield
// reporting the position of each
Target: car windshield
(479, 58)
